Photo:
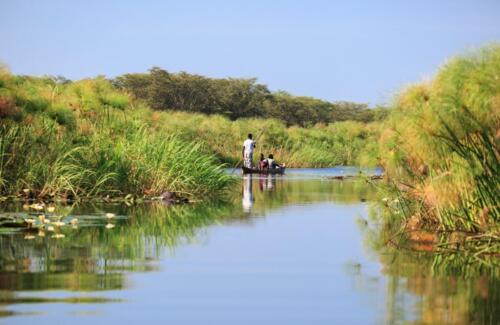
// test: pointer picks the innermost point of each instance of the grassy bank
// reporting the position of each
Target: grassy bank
(341, 143)
(87, 138)
(440, 149)
(60, 139)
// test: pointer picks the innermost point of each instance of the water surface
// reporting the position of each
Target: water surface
(296, 249)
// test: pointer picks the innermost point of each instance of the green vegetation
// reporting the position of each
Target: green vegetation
(440, 150)
(237, 98)
(438, 146)
(90, 139)
(342, 143)
(60, 139)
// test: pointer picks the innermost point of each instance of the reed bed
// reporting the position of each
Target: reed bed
(341, 143)
(440, 147)
(75, 140)
(88, 139)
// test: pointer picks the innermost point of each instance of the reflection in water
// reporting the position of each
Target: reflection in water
(248, 199)
(267, 183)
(93, 264)
(430, 288)
(438, 293)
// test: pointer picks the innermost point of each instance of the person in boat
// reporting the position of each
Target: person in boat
(262, 162)
(271, 162)
(247, 152)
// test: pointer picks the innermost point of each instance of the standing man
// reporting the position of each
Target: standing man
(247, 152)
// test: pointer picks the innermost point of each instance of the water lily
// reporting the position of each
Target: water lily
(37, 206)
(58, 223)
(110, 215)
(74, 221)
(42, 218)
(110, 226)
(30, 221)
(51, 209)
(58, 236)
(29, 237)
(50, 228)
(41, 233)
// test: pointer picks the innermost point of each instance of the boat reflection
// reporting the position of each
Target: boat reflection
(267, 183)
(248, 199)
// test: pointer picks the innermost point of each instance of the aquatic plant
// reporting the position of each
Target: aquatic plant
(440, 146)
(75, 140)
(341, 143)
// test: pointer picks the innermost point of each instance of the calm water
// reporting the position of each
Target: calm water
(297, 249)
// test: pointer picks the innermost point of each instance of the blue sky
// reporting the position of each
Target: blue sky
(361, 51)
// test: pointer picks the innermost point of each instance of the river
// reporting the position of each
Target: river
(302, 248)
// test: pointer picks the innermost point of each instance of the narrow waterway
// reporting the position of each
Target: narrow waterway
(303, 248)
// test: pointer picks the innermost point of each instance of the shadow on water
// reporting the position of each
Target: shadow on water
(94, 259)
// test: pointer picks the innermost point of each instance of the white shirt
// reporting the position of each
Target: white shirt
(249, 145)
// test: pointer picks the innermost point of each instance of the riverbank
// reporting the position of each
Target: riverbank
(63, 140)
(79, 141)
(346, 143)
(440, 151)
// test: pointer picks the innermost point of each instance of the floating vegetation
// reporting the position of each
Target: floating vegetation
(58, 223)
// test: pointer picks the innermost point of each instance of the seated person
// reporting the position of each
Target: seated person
(262, 162)
(270, 162)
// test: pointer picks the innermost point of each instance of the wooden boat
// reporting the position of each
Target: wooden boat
(279, 171)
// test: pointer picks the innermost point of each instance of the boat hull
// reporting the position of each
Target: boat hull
(273, 171)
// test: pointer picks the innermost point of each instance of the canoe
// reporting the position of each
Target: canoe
(280, 171)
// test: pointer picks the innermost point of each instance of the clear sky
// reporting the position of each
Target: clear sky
(335, 50)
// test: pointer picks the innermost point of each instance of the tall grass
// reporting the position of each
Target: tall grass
(342, 143)
(76, 140)
(88, 138)
(441, 145)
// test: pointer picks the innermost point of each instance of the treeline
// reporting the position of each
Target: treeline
(237, 98)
